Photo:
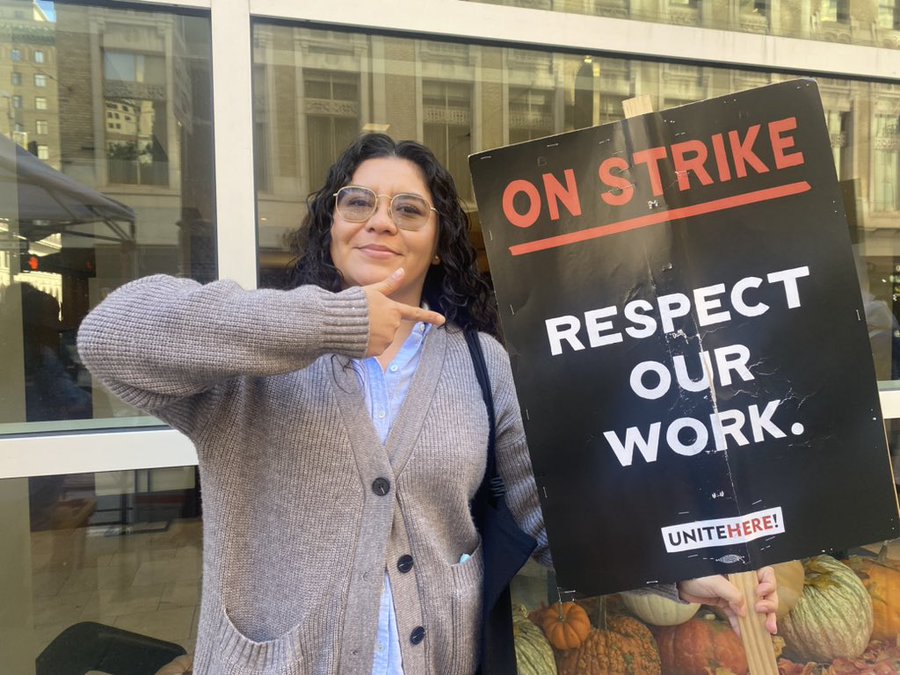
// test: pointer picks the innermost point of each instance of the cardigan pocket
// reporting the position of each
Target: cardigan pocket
(242, 656)
(467, 600)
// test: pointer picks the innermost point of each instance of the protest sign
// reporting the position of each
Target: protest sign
(680, 302)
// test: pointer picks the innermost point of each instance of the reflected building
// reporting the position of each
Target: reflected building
(29, 83)
(314, 90)
(861, 22)
(29, 87)
(115, 105)
(136, 73)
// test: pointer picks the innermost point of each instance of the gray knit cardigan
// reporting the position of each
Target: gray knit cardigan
(304, 508)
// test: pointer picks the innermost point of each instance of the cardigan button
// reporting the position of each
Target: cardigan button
(381, 486)
(405, 563)
(417, 635)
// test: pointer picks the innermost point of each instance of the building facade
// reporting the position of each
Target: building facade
(183, 138)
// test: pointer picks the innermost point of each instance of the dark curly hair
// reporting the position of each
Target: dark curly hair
(454, 287)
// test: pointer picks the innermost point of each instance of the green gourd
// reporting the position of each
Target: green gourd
(534, 655)
(832, 618)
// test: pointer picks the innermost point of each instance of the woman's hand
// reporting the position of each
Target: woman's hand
(717, 591)
(386, 315)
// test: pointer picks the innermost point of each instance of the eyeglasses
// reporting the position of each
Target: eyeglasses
(357, 204)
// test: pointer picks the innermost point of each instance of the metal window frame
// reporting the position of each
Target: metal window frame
(231, 24)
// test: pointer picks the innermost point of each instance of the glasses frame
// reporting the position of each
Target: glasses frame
(390, 206)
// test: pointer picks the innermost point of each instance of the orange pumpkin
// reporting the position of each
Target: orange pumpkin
(700, 645)
(566, 624)
(881, 577)
(625, 647)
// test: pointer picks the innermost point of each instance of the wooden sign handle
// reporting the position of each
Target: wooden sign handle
(757, 641)
(637, 105)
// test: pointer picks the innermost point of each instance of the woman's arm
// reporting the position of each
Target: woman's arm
(161, 340)
(513, 460)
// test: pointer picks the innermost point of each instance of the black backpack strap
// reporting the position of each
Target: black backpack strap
(491, 475)
(505, 546)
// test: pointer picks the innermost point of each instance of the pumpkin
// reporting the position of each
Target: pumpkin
(534, 656)
(833, 617)
(658, 610)
(596, 605)
(789, 577)
(624, 647)
(700, 645)
(881, 577)
(565, 624)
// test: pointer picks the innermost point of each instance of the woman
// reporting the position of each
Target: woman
(340, 429)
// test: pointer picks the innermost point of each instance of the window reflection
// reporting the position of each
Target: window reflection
(135, 96)
(887, 162)
(460, 98)
(530, 113)
(871, 22)
(447, 121)
(105, 176)
(109, 552)
(332, 115)
(889, 14)
(52, 371)
(835, 11)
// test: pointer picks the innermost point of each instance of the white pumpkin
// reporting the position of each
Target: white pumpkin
(658, 610)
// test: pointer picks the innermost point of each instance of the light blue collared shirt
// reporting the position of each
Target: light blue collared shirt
(385, 391)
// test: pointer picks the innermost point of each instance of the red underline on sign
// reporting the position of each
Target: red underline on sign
(661, 217)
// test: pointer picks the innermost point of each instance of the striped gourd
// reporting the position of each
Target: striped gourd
(833, 617)
(534, 656)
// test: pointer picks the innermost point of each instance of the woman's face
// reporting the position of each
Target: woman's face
(367, 252)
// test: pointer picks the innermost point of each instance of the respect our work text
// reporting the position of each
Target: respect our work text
(652, 379)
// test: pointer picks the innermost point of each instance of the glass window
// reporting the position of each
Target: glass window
(40, 80)
(105, 204)
(871, 22)
(835, 10)
(119, 549)
(459, 99)
(39, 56)
(16, 55)
(755, 7)
(889, 14)
(530, 113)
(838, 122)
(260, 139)
(137, 143)
(16, 78)
(447, 124)
(332, 115)
(16, 101)
(886, 179)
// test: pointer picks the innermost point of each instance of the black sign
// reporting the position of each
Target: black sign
(681, 305)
